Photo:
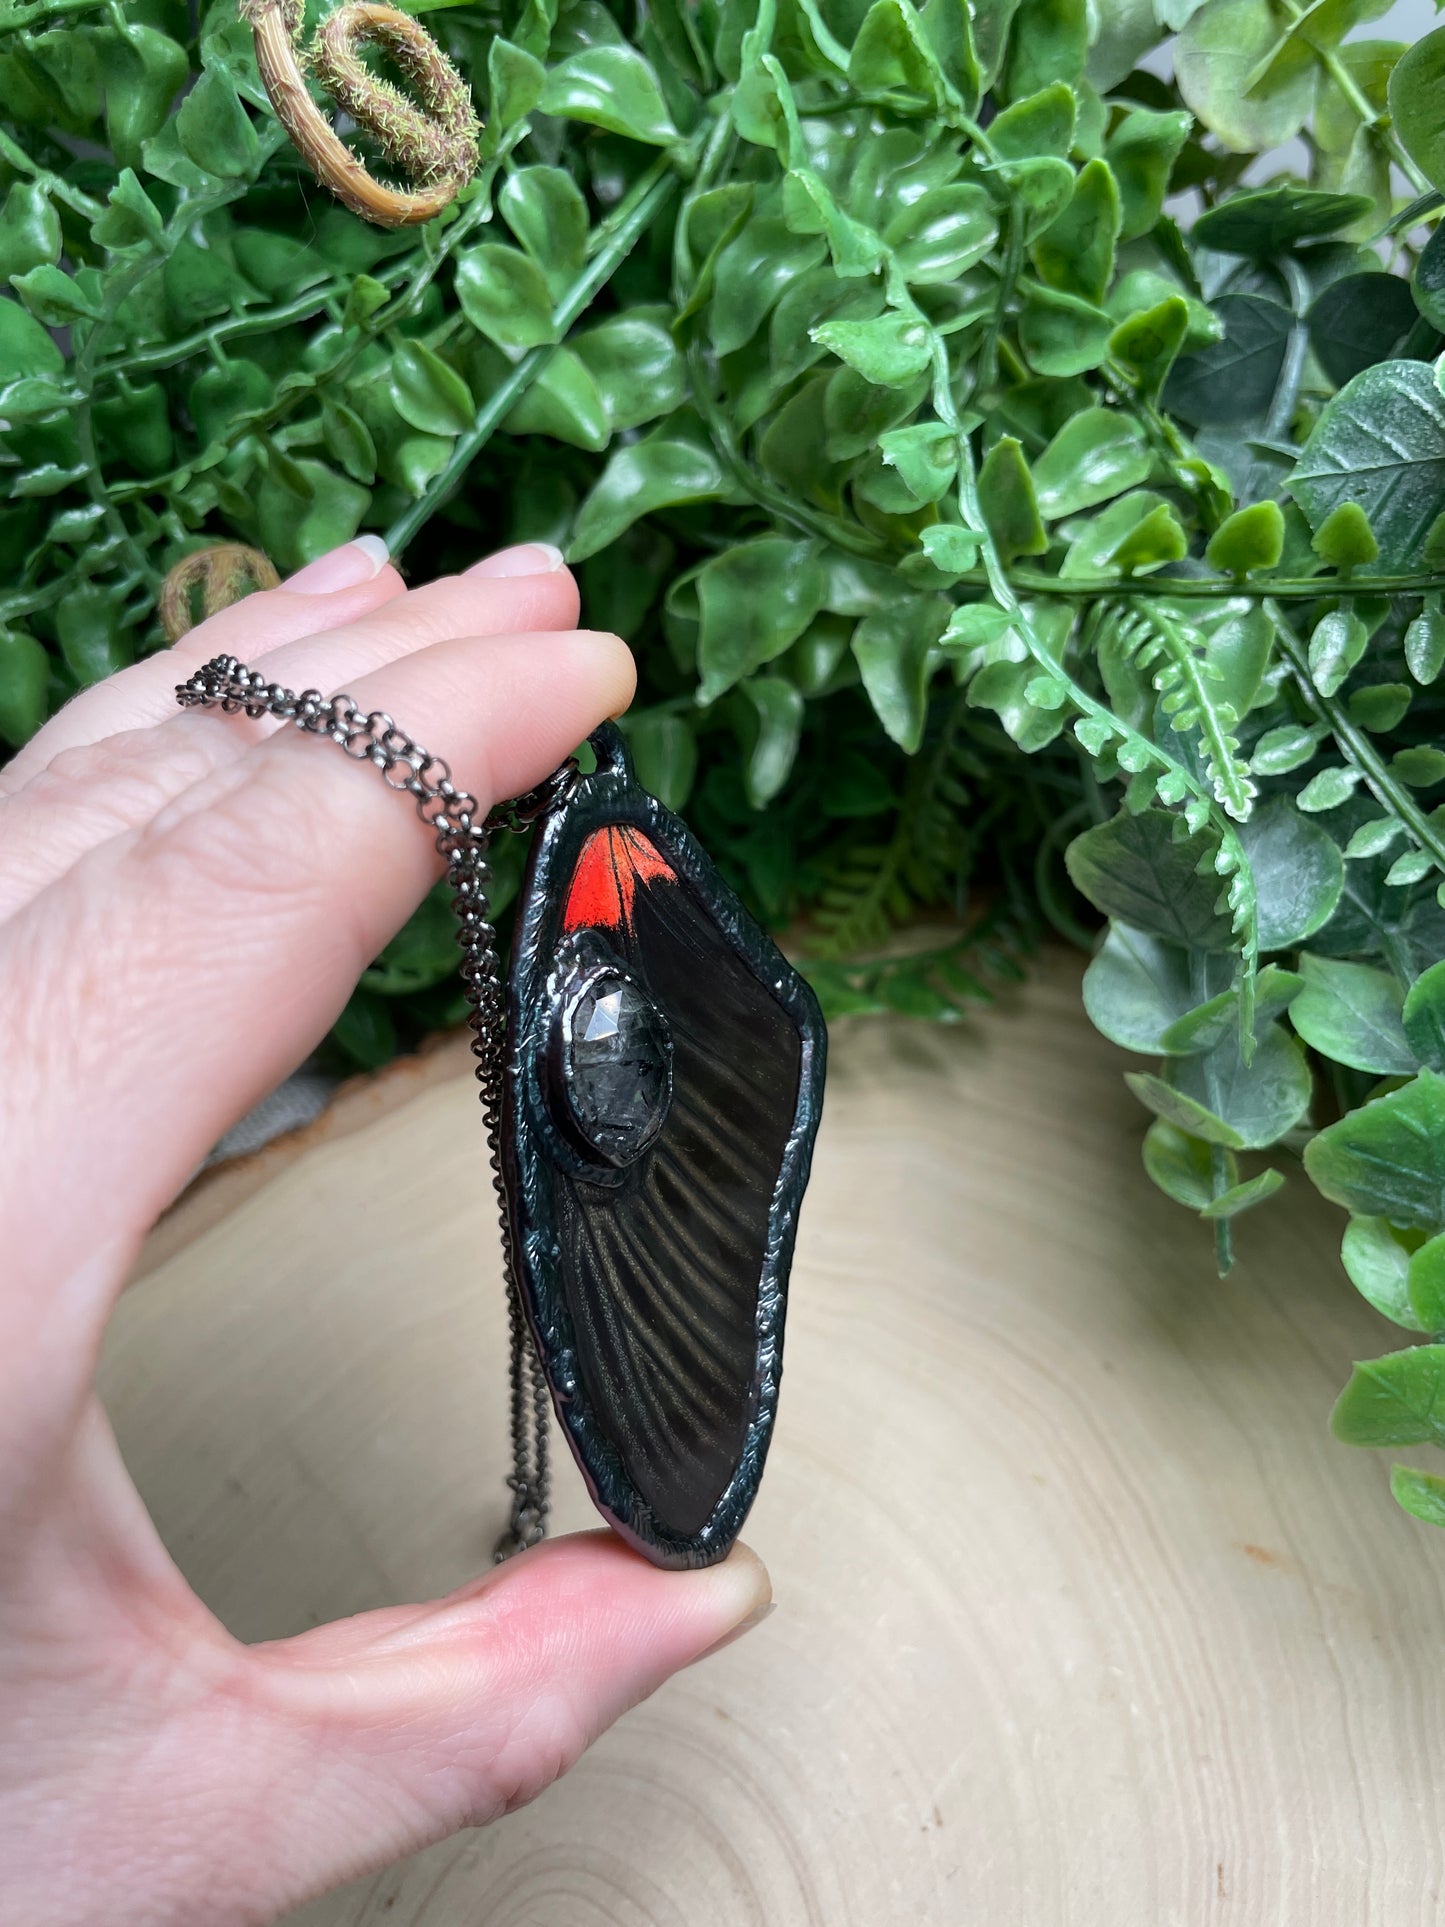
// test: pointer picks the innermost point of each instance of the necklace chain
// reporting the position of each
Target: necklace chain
(463, 837)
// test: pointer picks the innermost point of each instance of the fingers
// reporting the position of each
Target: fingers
(526, 587)
(336, 588)
(175, 975)
(334, 1753)
(89, 792)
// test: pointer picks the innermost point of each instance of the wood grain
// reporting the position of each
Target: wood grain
(1084, 1620)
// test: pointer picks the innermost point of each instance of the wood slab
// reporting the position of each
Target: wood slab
(1084, 1620)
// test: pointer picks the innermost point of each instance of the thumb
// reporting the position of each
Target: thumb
(398, 1727)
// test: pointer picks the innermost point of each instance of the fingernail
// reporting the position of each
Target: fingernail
(528, 558)
(355, 561)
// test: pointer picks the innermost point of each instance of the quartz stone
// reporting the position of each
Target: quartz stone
(617, 1066)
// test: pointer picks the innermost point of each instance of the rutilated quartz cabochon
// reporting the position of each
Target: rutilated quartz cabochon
(664, 1084)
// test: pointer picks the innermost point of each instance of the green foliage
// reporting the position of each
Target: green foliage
(996, 552)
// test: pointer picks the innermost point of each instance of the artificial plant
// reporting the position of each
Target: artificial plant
(1022, 485)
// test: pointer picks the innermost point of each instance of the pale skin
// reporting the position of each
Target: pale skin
(186, 901)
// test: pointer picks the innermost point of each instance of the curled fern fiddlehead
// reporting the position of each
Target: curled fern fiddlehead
(431, 141)
(217, 577)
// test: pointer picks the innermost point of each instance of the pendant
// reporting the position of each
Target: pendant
(664, 1082)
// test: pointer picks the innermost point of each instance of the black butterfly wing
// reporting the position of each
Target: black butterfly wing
(653, 1234)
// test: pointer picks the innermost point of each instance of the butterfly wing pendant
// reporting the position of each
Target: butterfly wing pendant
(664, 1084)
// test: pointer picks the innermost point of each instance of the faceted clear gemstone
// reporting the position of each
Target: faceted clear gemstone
(617, 1057)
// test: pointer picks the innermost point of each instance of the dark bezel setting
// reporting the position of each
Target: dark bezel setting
(532, 1140)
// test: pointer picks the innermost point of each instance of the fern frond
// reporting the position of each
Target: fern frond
(1170, 651)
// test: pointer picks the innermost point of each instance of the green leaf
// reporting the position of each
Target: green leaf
(1095, 456)
(504, 294)
(565, 403)
(1280, 750)
(1327, 790)
(1244, 1197)
(1007, 492)
(1425, 645)
(1062, 334)
(515, 79)
(1249, 540)
(53, 298)
(24, 686)
(1135, 868)
(611, 87)
(1141, 153)
(1415, 94)
(942, 233)
(1336, 645)
(753, 601)
(429, 394)
(1427, 284)
(634, 361)
(92, 638)
(1076, 251)
(1148, 343)
(544, 208)
(348, 440)
(1377, 1258)
(664, 754)
(1041, 123)
(889, 351)
(1184, 1113)
(1137, 987)
(1183, 1166)
(1387, 1159)
(893, 647)
(1210, 1023)
(1233, 379)
(129, 218)
(29, 229)
(1223, 67)
(1426, 1285)
(926, 458)
(1050, 41)
(778, 713)
(294, 531)
(1351, 1013)
(1424, 1017)
(1396, 1400)
(649, 475)
(1421, 766)
(1259, 1101)
(25, 347)
(891, 51)
(752, 273)
(1298, 871)
(215, 130)
(1267, 221)
(1379, 707)
(1377, 454)
(1421, 1494)
(1359, 320)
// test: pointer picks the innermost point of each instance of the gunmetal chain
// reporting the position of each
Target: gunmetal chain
(463, 837)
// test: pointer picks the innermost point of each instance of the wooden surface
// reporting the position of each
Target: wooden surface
(1084, 1620)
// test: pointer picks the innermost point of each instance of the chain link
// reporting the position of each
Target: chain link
(463, 837)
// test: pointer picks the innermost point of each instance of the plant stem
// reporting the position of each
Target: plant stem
(624, 228)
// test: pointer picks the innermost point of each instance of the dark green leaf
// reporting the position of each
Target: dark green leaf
(1351, 1013)
(215, 130)
(429, 394)
(1134, 868)
(1234, 379)
(1359, 320)
(611, 87)
(1396, 1400)
(24, 686)
(1424, 1017)
(1387, 1159)
(1379, 449)
(649, 475)
(1007, 492)
(938, 236)
(753, 601)
(1260, 1100)
(1415, 93)
(1094, 457)
(1183, 1166)
(1141, 153)
(1076, 251)
(1268, 221)
(504, 294)
(778, 713)
(893, 647)
(544, 208)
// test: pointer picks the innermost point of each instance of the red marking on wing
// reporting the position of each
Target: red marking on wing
(604, 884)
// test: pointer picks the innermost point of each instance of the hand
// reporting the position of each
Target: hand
(186, 901)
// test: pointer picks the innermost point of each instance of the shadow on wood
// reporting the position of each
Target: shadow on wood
(1084, 1620)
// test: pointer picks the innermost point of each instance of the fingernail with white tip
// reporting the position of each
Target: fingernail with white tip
(356, 561)
(528, 558)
